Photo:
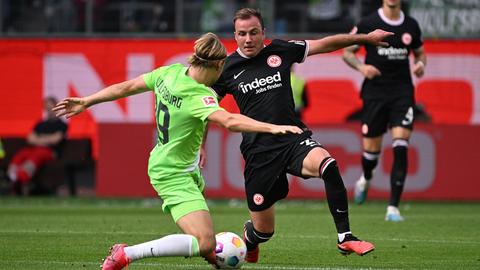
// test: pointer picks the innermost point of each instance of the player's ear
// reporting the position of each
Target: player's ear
(220, 64)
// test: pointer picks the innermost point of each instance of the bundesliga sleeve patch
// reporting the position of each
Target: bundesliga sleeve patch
(209, 101)
(298, 42)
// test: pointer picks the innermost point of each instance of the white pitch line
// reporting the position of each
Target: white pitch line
(437, 241)
(199, 266)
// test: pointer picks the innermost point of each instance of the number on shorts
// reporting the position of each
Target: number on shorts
(408, 117)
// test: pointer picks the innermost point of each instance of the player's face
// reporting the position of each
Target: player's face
(392, 3)
(249, 36)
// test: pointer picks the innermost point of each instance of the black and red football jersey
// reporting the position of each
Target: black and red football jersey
(391, 61)
(261, 88)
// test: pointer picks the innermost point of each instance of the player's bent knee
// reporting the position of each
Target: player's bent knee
(206, 245)
(312, 161)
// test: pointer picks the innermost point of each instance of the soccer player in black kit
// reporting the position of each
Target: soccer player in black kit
(388, 96)
(258, 77)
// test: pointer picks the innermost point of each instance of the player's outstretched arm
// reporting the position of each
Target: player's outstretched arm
(240, 123)
(339, 41)
(74, 105)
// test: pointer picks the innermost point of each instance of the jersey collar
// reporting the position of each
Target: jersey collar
(243, 55)
(391, 22)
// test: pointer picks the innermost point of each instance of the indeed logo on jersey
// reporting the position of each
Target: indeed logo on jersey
(393, 53)
(262, 84)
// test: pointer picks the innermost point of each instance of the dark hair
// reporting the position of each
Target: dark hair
(208, 50)
(247, 13)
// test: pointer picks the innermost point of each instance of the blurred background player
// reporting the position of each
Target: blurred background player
(258, 77)
(299, 90)
(44, 143)
(388, 96)
(2, 151)
(184, 105)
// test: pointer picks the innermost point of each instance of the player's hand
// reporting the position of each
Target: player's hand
(70, 107)
(377, 36)
(419, 69)
(369, 71)
(279, 130)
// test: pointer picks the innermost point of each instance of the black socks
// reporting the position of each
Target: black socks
(399, 170)
(336, 194)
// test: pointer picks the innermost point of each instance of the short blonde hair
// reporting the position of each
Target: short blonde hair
(208, 51)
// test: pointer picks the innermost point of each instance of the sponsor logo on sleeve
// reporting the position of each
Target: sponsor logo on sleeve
(209, 101)
(298, 42)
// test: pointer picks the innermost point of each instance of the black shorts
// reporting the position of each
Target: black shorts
(266, 173)
(378, 115)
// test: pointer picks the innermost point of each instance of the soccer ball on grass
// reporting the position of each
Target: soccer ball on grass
(230, 251)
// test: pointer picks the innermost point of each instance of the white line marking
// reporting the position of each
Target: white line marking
(439, 241)
(199, 266)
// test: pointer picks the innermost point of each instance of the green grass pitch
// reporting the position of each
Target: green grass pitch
(50, 233)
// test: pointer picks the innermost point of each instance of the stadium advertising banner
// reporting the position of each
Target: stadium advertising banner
(441, 162)
(33, 69)
(447, 18)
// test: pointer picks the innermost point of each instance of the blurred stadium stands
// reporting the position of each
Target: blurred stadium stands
(186, 18)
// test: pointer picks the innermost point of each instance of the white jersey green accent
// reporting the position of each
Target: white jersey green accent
(182, 106)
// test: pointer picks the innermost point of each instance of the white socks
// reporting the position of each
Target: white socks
(341, 236)
(171, 245)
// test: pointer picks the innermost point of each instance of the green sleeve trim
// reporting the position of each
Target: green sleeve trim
(194, 248)
(147, 78)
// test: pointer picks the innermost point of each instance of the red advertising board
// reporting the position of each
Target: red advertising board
(442, 162)
(450, 91)
(32, 69)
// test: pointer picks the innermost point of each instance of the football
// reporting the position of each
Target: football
(230, 251)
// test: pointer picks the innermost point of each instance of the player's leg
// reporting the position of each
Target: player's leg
(257, 230)
(184, 200)
(27, 161)
(401, 119)
(199, 224)
(199, 239)
(266, 183)
(15, 168)
(370, 156)
(319, 163)
(374, 125)
(400, 138)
